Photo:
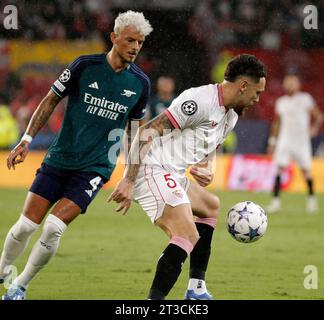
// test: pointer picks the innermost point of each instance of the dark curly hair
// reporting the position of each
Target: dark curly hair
(245, 65)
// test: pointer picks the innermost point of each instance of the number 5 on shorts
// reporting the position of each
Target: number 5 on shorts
(170, 182)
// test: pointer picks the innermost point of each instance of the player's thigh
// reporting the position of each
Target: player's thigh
(45, 190)
(66, 210)
(81, 189)
(203, 203)
(35, 207)
(49, 183)
(165, 201)
(282, 156)
(179, 221)
(303, 157)
(155, 188)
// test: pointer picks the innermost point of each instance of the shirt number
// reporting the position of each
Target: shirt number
(170, 182)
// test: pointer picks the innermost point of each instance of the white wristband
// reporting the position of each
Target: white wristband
(27, 137)
(272, 141)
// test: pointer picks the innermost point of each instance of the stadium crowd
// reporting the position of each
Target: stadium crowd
(244, 23)
(268, 24)
(212, 26)
(61, 19)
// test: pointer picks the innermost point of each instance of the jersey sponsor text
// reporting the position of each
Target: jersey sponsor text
(103, 108)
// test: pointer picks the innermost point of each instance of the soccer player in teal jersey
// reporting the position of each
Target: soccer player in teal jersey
(104, 93)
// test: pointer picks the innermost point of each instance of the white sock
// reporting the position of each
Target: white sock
(198, 285)
(16, 241)
(43, 250)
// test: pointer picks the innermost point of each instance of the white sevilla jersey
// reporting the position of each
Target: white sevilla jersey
(294, 112)
(203, 124)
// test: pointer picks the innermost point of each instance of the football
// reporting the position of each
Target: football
(247, 222)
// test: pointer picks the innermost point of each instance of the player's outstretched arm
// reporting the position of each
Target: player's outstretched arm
(142, 142)
(37, 121)
(145, 134)
(129, 134)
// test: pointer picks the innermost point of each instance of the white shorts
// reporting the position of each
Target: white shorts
(156, 187)
(284, 154)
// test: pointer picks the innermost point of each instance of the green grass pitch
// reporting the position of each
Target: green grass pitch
(104, 255)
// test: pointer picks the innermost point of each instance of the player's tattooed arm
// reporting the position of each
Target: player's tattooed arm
(131, 130)
(128, 140)
(42, 113)
(142, 142)
(122, 193)
(39, 118)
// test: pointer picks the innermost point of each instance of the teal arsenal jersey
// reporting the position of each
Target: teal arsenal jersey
(99, 101)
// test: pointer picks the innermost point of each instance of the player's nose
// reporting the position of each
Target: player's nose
(137, 45)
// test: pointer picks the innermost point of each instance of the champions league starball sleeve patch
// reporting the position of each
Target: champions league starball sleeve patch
(189, 107)
(58, 85)
(65, 76)
(61, 85)
(185, 111)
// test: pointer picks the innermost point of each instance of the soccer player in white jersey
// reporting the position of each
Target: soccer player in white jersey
(186, 134)
(290, 137)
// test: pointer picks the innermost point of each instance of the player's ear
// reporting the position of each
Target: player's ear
(113, 37)
(243, 84)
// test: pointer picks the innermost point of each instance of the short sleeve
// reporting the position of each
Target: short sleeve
(68, 78)
(138, 112)
(309, 101)
(186, 110)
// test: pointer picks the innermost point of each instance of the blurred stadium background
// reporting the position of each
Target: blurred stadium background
(192, 42)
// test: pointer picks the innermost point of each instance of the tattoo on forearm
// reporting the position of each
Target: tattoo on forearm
(160, 123)
(142, 143)
(24, 146)
(129, 137)
(42, 114)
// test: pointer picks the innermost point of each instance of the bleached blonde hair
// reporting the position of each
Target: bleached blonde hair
(135, 19)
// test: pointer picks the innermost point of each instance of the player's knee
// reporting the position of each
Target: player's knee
(187, 230)
(33, 216)
(213, 207)
(53, 230)
(307, 174)
(192, 234)
(23, 228)
(186, 242)
(190, 237)
(194, 237)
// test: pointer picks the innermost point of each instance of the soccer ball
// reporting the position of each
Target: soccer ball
(247, 222)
